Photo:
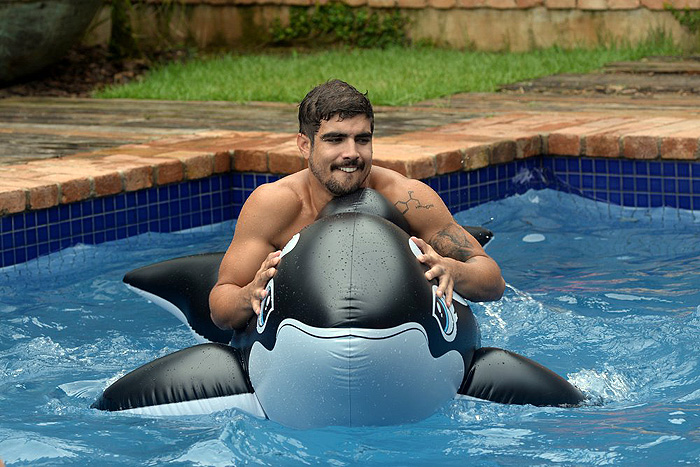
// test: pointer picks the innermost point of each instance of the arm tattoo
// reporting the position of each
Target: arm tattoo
(452, 243)
(404, 206)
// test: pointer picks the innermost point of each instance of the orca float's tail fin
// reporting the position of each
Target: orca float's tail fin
(182, 287)
(197, 380)
(498, 375)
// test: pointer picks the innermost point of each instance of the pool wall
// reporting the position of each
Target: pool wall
(194, 203)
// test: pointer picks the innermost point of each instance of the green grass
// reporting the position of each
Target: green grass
(396, 76)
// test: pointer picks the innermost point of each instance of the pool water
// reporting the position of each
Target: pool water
(605, 296)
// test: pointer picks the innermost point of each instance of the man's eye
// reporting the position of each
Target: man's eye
(364, 140)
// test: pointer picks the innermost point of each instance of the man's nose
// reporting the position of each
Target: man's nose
(351, 150)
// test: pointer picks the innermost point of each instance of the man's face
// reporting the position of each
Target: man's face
(341, 156)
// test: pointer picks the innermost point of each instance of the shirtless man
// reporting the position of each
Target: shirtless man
(336, 123)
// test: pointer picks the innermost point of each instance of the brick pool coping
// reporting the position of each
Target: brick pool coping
(456, 147)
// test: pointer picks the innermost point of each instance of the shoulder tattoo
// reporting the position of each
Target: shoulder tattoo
(411, 202)
(452, 242)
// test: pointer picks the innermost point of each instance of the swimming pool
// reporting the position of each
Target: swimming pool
(604, 295)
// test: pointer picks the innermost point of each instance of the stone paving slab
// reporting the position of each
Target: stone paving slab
(107, 147)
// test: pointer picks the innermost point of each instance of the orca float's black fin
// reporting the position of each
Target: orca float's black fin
(200, 379)
(498, 375)
(182, 286)
(482, 235)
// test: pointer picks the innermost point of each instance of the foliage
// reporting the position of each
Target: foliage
(338, 23)
(122, 41)
(689, 19)
(394, 76)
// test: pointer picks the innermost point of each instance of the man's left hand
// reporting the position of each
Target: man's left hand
(438, 268)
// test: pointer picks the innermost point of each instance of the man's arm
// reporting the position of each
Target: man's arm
(251, 259)
(452, 255)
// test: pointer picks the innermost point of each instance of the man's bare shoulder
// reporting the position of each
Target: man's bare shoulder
(284, 194)
(396, 188)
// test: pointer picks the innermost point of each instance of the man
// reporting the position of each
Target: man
(336, 124)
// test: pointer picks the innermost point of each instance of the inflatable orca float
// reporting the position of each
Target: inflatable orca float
(350, 333)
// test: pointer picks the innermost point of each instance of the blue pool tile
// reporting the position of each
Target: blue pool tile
(669, 169)
(110, 203)
(130, 199)
(628, 199)
(121, 233)
(671, 200)
(164, 225)
(142, 196)
(601, 182)
(641, 167)
(683, 186)
(248, 181)
(99, 223)
(76, 227)
(64, 229)
(656, 201)
(614, 166)
(587, 181)
(642, 200)
(30, 236)
(574, 180)
(600, 166)
(120, 219)
(696, 202)
(695, 170)
(120, 201)
(586, 165)
(6, 224)
(614, 183)
(18, 221)
(44, 249)
(615, 198)
(654, 168)
(642, 184)
(683, 169)
(655, 185)
(42, 233)
(131, 217)
(76, 210)
(175, 224)
(684, 202)
(573, 164)
(669, 185)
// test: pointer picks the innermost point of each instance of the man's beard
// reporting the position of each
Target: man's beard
(334, 186)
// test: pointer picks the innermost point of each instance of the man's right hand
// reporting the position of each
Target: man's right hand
(267, 271)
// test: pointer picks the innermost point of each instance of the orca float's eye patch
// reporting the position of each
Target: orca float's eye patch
(445, 316)
(267, 305)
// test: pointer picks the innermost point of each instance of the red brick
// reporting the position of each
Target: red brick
(443, 4)
(12, 200)
(40, 194)
(560, 4)
(108, 184)
(592, 5)
(623, 4)
(561, 144)
(413, 3)
(285, 158)
(448, 161)
(381, 3)
(167, 171)
(476, 156)
(77, 189)
(501, 4)
(466, 4)
(138, 178)
(679, 148)
(640, 147)
(654, 4)
(502, 152)
(528, 3)
(222, 162)
(528, 147)
(250, 160)
(603, 145)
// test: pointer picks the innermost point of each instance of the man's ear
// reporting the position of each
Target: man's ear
(304, 145)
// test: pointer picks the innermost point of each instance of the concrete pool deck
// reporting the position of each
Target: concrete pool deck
(59, 150)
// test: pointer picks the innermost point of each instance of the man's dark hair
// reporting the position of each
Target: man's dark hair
(334, 98)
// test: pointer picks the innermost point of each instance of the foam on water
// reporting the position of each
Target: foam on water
(605, 296)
